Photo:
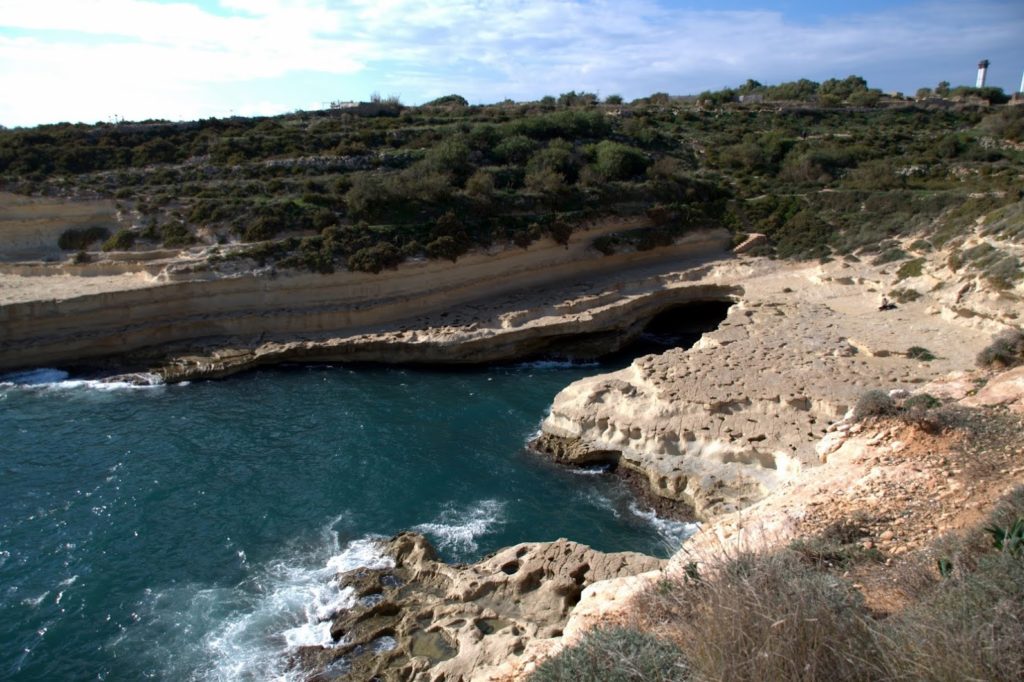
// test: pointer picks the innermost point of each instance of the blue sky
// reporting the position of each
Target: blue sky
(97, 60)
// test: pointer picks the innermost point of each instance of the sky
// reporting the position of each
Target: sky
(108, 60)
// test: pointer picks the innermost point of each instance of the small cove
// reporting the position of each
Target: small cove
(192, 531)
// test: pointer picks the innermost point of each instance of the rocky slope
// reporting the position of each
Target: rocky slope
(724, 423)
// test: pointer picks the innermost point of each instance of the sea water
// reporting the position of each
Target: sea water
(195, 531)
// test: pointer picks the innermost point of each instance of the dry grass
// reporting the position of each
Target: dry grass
(766, 617)
(786, 615)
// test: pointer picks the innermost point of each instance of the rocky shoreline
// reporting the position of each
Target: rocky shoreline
(727, 432)
(577, 453)
(424, 619)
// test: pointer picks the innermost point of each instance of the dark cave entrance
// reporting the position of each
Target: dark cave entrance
(677, 326)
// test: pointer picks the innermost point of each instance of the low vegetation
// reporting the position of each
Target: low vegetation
(80, 239)
(793, 614)
(616, 655)
(874, 403)
(822, 169)
(920, 353)
(1006, 350)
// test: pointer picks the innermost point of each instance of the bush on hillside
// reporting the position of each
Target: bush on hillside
(920, 353)
(375, 258)
(617, 161)
(80, 239)
(122, 240)
(615, 655)
(766, 617)
(176, 234)
(1006, 350)
(445, 248)
(873, 403)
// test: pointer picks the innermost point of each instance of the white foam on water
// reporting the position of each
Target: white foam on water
(598, 500)
(309, 634)
(246, 632)
(383, 644)
(34, 602)
(591, 470)
(457, 530)
(674, 533)
(293, 610)
(56, 379)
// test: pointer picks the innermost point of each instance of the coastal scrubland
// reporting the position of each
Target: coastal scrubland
(823, 169)
(831, 606)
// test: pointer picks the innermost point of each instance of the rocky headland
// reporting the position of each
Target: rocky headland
(748, 430)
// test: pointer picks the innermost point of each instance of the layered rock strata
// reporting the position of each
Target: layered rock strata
(262, 316)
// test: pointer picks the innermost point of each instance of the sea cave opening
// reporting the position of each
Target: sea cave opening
(677, 326)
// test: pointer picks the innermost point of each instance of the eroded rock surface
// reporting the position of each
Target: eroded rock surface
(424, 619)
(722, 424)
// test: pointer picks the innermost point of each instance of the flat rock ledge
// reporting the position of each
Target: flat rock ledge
(423, 619)
(721, 425)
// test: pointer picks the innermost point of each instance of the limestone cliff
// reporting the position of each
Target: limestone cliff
(722, 424)
(187, 310)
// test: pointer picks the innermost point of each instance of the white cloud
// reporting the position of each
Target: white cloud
(70, 60)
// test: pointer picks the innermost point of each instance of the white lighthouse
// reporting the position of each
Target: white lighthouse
(982, 72)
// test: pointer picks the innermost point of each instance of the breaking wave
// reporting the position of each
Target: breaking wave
(457, 530)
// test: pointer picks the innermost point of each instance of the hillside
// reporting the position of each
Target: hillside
(839, 172)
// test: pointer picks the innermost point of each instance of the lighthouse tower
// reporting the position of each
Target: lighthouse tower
(982, 72)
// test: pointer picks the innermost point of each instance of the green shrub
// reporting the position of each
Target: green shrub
(920, 411)
(515, 149)
(605, 244)
(615, 655)
(80, 239)
(445, 247)
(921, 401)
(920, 353)
(1008, 539)
(375, 258)
(448, 101)
(1005, 350)
(560, 231)
(617, 161)
(904, 295)
(122, 240)
(912, 268)
(176, 234)
(480, 185)
(890, 255)
(873, 403)
(545, 181)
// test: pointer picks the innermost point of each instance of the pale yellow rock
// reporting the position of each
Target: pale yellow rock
(1005, 389)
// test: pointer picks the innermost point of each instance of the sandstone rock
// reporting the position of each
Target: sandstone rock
(752, 241)
(1006, 389)
(745, 410)
(427, 620)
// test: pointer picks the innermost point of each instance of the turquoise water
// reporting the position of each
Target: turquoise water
(192, 531)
